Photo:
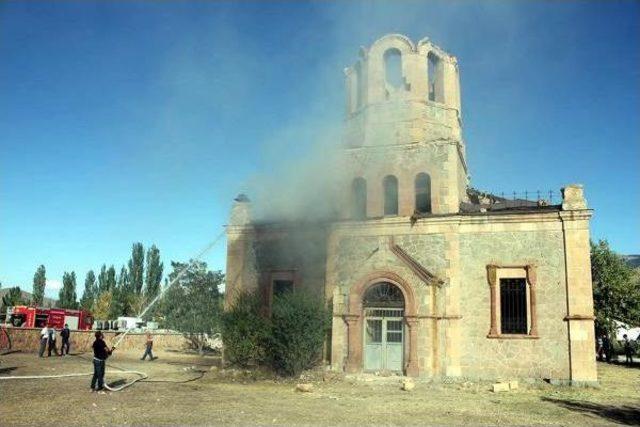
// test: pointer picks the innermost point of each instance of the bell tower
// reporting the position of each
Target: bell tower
(403, 146)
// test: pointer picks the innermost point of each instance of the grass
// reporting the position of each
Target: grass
(238, 397)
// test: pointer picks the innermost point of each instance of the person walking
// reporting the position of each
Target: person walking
(148, 348)
(44, 337)
(65, 334)
(599, 348)
(606, 347)
(52, 342)
(100, 354)
(628, 350)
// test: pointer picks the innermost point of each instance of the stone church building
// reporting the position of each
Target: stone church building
(426, 276)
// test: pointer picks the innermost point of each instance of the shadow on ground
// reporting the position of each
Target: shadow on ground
(625, 414)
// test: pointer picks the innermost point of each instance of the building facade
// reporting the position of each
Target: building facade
(426, 276)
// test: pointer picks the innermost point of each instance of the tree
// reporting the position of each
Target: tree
(192, 305)
(102, 308)
(90, 291)
(616, 289)
(103, 284)
(39, 282)
(122, 296)
(67, 294)
(153, 273)
(12, 297)
(136, 267)
(111, 278)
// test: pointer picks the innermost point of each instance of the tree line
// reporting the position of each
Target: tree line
(192, 305)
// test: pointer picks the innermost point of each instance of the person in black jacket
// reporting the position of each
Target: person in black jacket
(100, 354)
(65, 334)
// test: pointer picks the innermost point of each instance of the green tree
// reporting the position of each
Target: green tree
(123, 295)
(12, 297)
(103, 283)
(616, 289)
(299, 323)
(39, 282)
(111, 278)
(90, 291)
(102, 307)
(67, 294)
(136, 267)
(153, 273)
(193, 302)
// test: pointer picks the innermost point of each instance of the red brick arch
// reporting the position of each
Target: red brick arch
(354, 319)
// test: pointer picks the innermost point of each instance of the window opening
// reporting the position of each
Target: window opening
(513, 306)
(390, 195)
(423, 193)
(393, 68)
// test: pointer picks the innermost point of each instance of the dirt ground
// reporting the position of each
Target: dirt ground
(242, 398)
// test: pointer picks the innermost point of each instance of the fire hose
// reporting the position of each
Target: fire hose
(141, 375)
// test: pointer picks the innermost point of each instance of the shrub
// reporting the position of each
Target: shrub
(299, 323)
(244, 331)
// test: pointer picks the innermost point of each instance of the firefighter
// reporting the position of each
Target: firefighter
(100, 354)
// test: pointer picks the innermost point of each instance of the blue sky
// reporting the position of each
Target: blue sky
(140, 121)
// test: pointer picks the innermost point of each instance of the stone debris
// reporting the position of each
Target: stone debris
(498, 387)
(213, 368)
(408, 384)
(304, 387)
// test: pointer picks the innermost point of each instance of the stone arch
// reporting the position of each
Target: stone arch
(357, 291)
(398, 41)
(354, 319)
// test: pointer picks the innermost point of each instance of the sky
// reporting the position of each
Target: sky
(140, 121)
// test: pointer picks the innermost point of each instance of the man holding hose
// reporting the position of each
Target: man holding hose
(100, 354)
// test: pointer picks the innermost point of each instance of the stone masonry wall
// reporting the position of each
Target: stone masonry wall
(545, 357)
(28, 340)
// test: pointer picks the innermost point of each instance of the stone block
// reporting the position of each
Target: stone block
(513, 385)
(304, 387)
(408, 384)
(498, 387)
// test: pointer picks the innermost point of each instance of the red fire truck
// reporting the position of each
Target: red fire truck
(38, 317)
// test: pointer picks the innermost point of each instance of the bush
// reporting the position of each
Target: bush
(244, 331)
(299, 323)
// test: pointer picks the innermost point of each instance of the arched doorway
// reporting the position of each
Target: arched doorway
(383, 308)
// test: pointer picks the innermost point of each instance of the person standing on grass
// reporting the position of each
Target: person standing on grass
(148, 347)
(52, 342)
(100, 354)
(65, 334)
(600, 348)
(606, 347)
(44, 337)
(628, 349)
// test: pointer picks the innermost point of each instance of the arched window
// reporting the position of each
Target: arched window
(434, 78)
(393, 68)
(383, 294)
(359, 198)
(390, 184)
(423, 193)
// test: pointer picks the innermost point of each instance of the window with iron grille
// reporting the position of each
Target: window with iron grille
(513, 306)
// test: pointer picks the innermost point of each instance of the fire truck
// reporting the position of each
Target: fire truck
(38, 317)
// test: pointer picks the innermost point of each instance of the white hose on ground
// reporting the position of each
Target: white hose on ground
(175, 279)
(142, 376)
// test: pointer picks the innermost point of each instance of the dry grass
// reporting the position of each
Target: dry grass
(224, 399)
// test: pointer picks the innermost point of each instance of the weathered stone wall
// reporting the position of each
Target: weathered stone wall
(544, 357)
(28, 340)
